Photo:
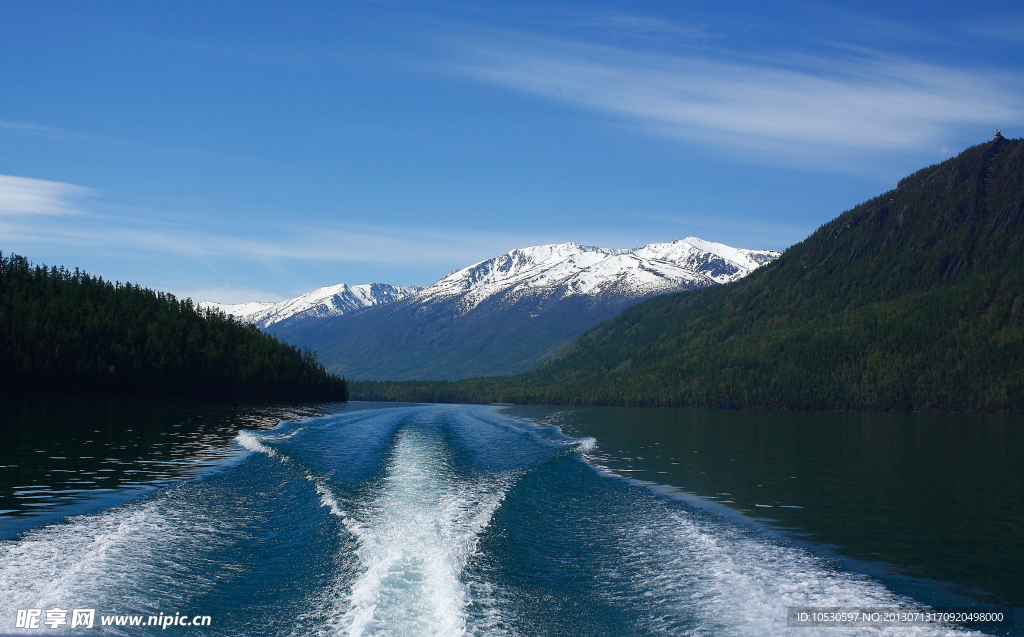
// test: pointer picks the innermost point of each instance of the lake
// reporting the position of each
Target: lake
(385, 519)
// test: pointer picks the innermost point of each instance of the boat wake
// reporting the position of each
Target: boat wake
(429, 522)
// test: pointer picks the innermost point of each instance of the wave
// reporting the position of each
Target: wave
(701, 575)
(118, 559)
(252, 441)
(414, 539)
(429, 522)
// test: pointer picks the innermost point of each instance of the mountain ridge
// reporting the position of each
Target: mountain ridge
(509, 313)
(341, 298)
(330, 300)
(590, 270)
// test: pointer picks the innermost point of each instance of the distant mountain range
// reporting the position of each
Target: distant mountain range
(570, 269)
(504, 315)
(911, 301)
(331, 300)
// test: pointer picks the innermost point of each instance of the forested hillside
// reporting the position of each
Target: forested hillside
(64, 332)
(913, 300)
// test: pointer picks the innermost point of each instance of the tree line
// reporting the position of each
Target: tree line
(66, 332)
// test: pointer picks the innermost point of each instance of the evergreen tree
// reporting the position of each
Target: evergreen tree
(64, 332)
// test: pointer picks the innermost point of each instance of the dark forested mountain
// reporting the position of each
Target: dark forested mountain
(508, 314)
(913, 300)
(64, 332)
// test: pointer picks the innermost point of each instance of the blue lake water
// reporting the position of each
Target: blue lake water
(419, 520)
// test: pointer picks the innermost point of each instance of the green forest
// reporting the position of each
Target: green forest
(912, 301)
(70, 333)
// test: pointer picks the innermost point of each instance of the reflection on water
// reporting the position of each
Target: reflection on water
(58, 452)
(940, 496)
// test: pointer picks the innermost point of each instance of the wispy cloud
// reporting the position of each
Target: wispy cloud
(34, 211)
(645, 27)
(25, 127)
(357, 244)
(51, 132)
(22, 196)
(784, 105)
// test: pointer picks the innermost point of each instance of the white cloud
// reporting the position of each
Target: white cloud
(784, 106)
(51, 132)
(24, 127)
(37, 212)
(21, 196)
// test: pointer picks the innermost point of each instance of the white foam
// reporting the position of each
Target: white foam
(414, 540)
(253, 442)
(730, 582)
(327, 498)
(113, 559)
(250, 440)
(587, 445)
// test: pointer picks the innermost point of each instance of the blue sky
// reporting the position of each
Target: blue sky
(235, 151)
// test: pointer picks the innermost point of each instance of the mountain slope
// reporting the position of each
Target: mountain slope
(332, 300)
(508, 314)
(913, 300)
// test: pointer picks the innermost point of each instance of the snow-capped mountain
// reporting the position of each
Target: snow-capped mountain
(332, 300)
(508, 314)
(569, 268)
(572, 269)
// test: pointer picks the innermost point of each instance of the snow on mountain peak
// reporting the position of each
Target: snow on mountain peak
(331, 300)
(560, 269)
(572, 269)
